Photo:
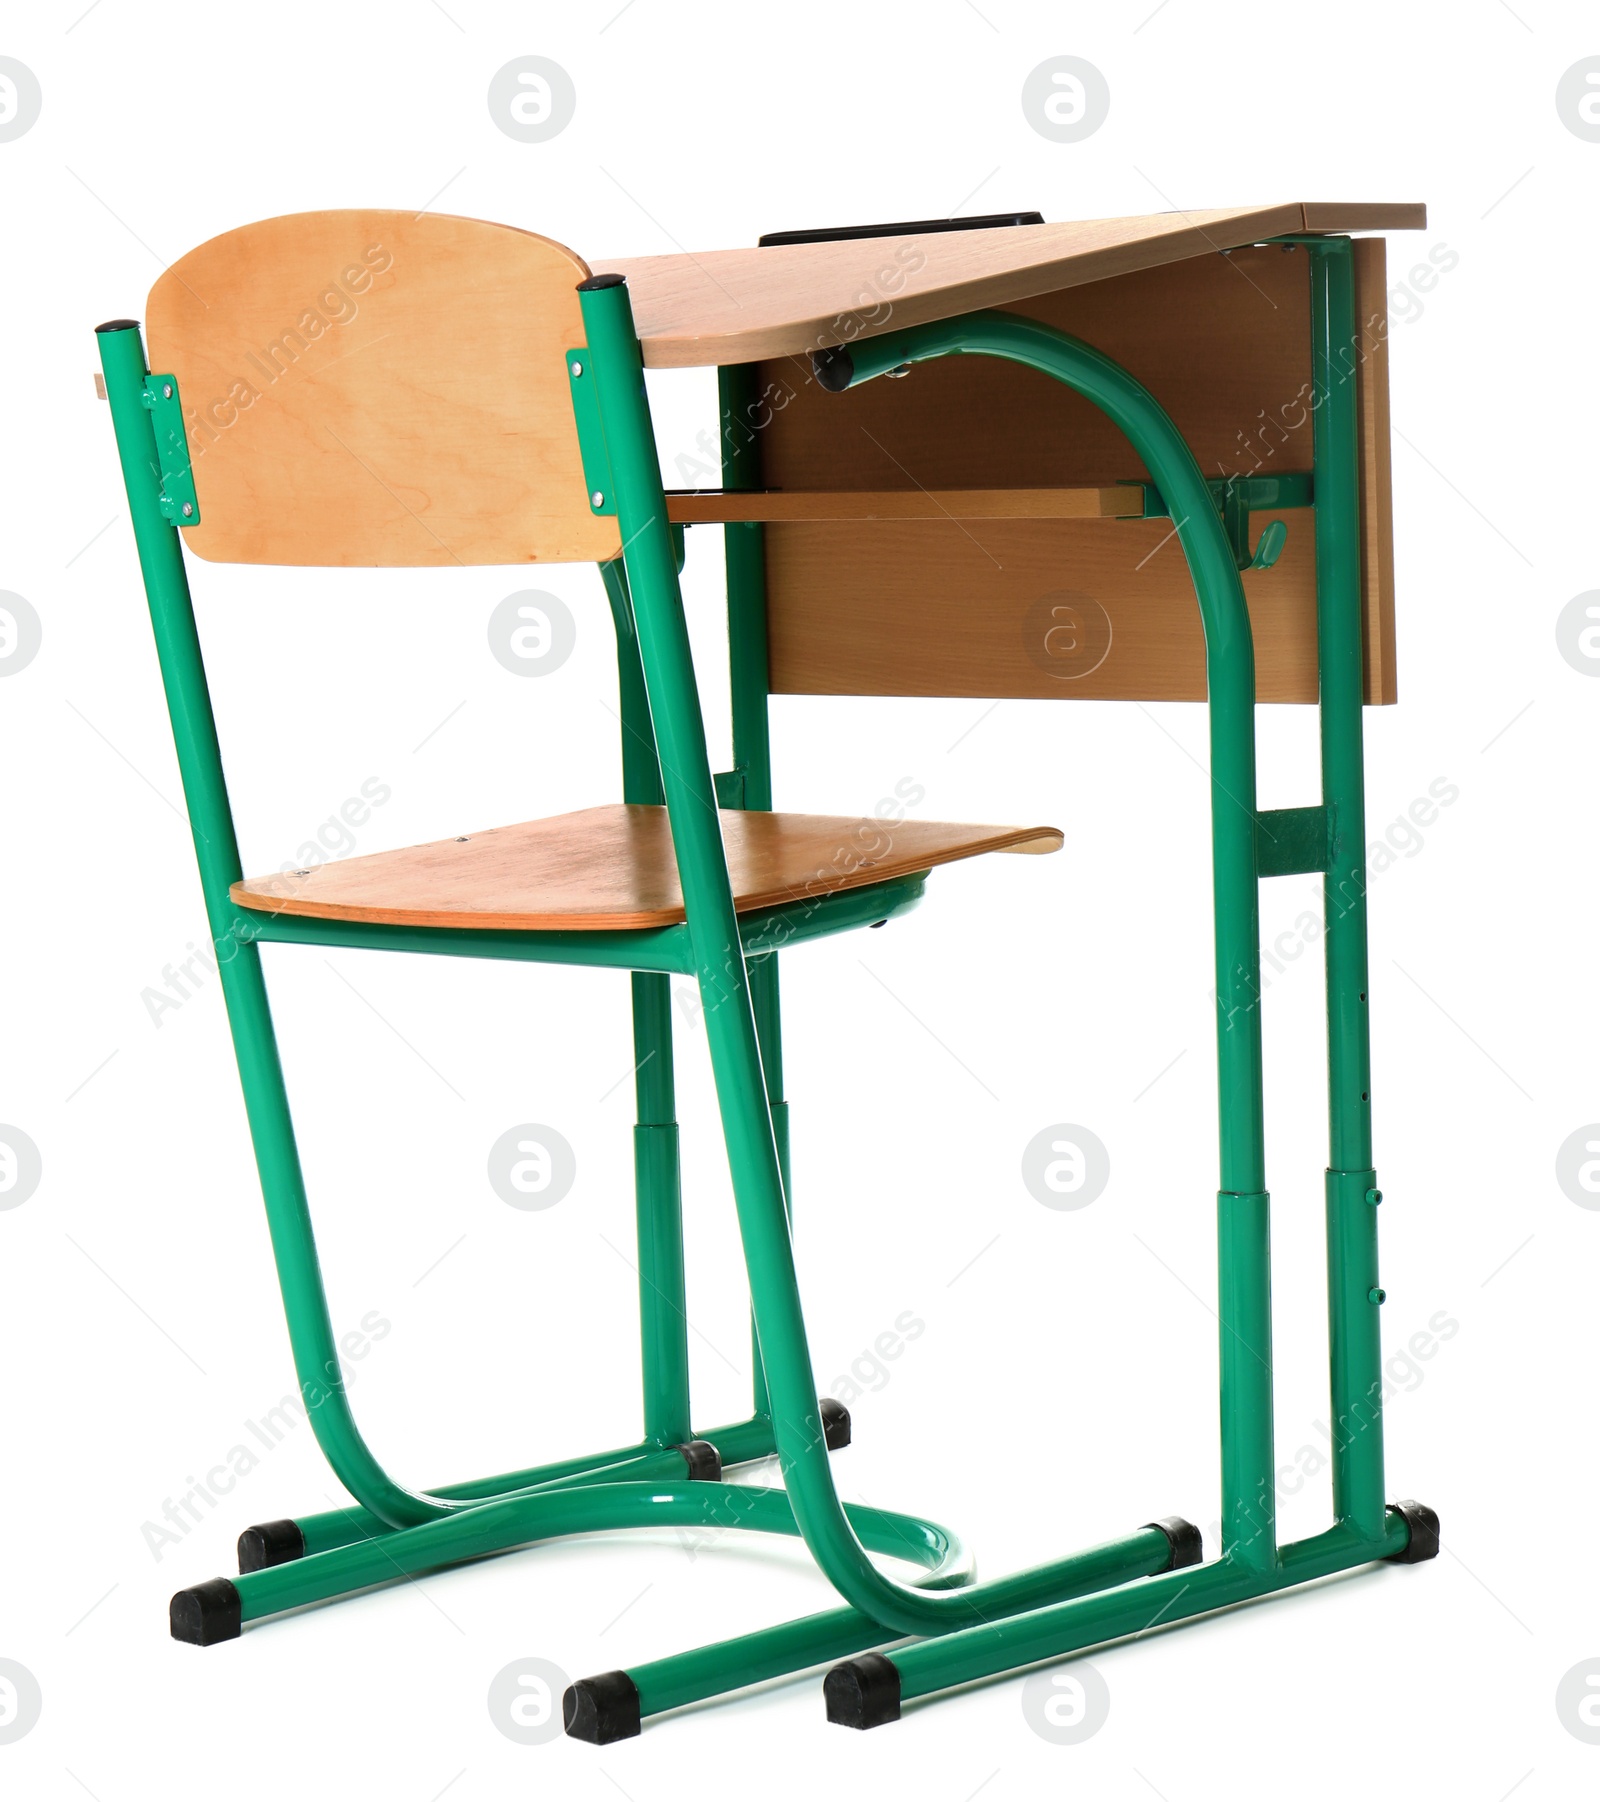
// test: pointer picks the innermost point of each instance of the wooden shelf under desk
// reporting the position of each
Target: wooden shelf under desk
(717, 507)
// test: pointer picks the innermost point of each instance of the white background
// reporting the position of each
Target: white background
(1064, 1387)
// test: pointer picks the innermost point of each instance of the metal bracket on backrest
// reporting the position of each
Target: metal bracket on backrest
(591, 434)
(178, 500)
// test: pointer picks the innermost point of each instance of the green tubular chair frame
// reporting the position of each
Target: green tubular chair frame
(962, 1629)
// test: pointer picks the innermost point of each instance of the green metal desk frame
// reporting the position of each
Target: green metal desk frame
(945, 1628)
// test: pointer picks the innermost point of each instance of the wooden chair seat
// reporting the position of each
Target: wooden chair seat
(613, 867)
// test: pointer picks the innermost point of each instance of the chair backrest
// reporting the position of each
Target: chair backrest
(371, 387)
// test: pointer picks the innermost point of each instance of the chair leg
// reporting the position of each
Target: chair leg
(670, 1450)
(663, 1321)
(311, 1336)
(383, 1506)
(279, 1541)
(763, 971)
(216, 1610)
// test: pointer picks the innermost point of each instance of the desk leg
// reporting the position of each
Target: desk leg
(1356, 1377)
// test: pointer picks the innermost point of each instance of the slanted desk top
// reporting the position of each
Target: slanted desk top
(737, 306)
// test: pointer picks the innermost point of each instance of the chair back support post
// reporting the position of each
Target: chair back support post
(616, 359)
(183, 673)
(194, 731)
(1354, 1350)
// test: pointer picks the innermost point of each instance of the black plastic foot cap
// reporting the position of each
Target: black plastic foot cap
(704, 1461)
(1424, 1524)
(833, 367)
(601, 1709)
(835, 1424)
(206, 1614)
(1184, 1538)
(273, 1542)
(863, 1692)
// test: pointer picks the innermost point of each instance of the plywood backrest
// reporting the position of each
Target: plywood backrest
(1071, 608)
(379, 388)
